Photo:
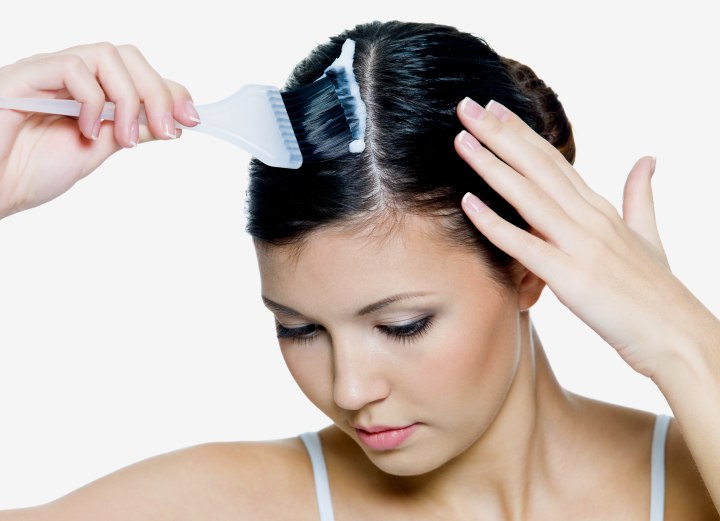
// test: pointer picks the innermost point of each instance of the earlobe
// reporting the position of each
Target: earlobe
(530, 288)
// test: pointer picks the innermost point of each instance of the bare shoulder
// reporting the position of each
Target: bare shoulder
(686, 496)
(221, 480)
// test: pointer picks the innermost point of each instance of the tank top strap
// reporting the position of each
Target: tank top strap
(657, 468)
(322, 485)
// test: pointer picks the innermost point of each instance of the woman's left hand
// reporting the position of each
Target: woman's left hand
(611, 271)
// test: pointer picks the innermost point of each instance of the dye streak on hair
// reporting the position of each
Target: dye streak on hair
(412, 77)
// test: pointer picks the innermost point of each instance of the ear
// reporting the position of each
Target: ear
(529, 286)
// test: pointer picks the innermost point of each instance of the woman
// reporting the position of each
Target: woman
(406, 320)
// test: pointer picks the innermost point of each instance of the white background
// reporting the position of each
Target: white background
(130, 318)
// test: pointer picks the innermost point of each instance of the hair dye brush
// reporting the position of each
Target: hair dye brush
(317, 122)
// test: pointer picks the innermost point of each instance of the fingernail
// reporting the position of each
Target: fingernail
(95, 130)
(191, 112)
(498, 109)
(469, 141)
(169, 125)
(653, 161)
(472, 203)
(134, 133)
(471, 109)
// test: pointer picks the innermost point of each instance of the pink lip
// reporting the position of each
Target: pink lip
(385, 438)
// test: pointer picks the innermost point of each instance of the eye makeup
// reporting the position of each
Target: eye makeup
(408, 332)
(401, 333)
(300, 335)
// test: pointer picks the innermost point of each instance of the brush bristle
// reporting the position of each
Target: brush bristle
(339, 78)
(319, 120)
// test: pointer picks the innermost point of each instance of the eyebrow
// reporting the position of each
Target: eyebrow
(371, 308)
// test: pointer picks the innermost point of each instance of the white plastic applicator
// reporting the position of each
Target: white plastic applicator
(342, 75)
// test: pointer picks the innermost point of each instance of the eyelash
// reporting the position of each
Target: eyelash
(406, 333)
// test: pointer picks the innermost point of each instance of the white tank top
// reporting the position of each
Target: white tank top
(657, 471)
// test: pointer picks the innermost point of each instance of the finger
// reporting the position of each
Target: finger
(540, 257)
(99, 150)
(522, 155)
(185, 111)
(46, 74)
(638, 204)
(183, 106)
(535, 206)
(512, 121)
(145, 135)
(153, 91)
(104, 59)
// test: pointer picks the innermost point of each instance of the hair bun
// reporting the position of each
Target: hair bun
(556, 127)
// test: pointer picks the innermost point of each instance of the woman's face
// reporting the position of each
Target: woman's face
(403, 334)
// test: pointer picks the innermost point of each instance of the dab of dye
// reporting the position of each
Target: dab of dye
(343, 66)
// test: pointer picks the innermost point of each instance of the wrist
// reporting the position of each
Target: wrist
(692, 359)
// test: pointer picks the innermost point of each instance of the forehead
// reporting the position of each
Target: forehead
(361, 266)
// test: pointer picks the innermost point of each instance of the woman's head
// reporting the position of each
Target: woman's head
(391, 308)
(411, 77)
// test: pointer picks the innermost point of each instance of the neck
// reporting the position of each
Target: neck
(516, 458)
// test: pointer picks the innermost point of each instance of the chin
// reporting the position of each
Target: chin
(408, 461)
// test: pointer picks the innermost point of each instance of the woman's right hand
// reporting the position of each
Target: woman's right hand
(43, 155)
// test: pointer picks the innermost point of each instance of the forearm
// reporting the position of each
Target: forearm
(691, 385)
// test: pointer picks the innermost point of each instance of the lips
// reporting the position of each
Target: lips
(378, 428)
(383, 438)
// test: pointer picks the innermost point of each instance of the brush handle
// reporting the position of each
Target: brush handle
(65, 107)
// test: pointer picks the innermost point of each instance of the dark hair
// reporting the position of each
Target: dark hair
(411, 78)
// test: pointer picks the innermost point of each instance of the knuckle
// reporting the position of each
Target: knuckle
(162, 97)
(537, 247)
(550, 206)
(603, 225)
(131, 52)
(159, 93)
(105, 48)
(77, 70)
(493, 127)
(128, 99)
(97, 98)
(491, 224)
(73, 64)
(178, 90)
(34, 57)
(595, 248)
(129, 49)
(545, 162)
(94, 97)
(602, 205)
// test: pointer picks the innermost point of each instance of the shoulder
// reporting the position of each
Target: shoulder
(686, 496)
(223, 480)
(270, 477)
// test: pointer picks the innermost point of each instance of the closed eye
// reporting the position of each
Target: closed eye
(408, 332)
(401, 333)
(302, 334)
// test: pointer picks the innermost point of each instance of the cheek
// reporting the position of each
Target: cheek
(475, 366)
(311, 367)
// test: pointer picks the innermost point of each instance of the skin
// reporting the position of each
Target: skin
(499, 437)
(610, 270)
(358, 375)
(42, 156)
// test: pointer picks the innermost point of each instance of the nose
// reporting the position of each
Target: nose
(358, 379)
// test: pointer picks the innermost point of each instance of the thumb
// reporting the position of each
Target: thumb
(638, 203)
